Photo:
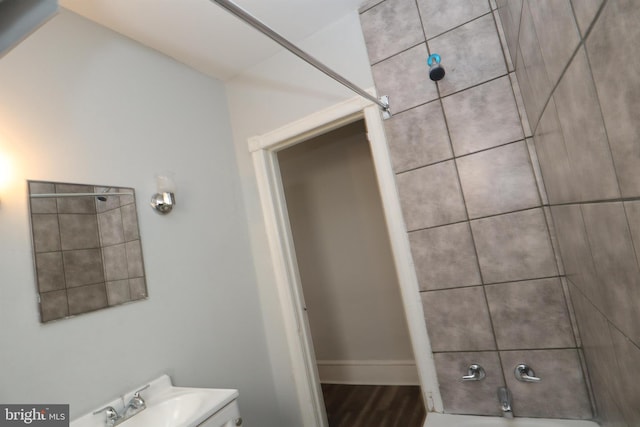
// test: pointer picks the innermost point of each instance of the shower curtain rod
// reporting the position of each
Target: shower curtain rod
(245, 16)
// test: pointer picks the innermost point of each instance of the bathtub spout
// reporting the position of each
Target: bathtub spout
(504, 397)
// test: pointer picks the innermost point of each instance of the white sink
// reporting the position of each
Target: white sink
(180, 407)
(168, 406)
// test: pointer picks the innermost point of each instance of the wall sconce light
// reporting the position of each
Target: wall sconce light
(164, 199)
(5, 172)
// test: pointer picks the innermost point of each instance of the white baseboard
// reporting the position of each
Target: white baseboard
(369, 372)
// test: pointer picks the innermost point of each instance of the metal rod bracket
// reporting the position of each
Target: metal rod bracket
(384, 104)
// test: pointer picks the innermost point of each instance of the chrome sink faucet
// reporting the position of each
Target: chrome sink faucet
(134, 406)
(504, 397)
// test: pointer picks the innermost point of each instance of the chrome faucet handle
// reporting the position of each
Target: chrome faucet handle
(142, 389)
(137, 401)
(474, 373)
(524, 373)
(110, 413)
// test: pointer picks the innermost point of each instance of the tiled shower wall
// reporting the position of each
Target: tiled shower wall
(577, 64)
(475, 208)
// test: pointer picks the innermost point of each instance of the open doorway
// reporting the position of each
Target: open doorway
(286, 278)
(349, 281)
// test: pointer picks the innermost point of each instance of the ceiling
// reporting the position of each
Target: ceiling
(203, 35)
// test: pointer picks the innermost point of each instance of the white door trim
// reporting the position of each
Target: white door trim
(264, 149)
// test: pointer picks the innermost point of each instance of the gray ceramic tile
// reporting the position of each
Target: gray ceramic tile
(458, 319)
(585, 11)
(438, 16)
(78, 232)
(75, 205)
(576, 253)
(562, 393)
(391, 27)
(134, 259)
(130, 222)
(111, 227)
(530, 314)
(597, 344)
(584, 133)
(118, 292)
(444, 257)
(554, 21)
(404, 78)
(510, 12)
(471, 54)
(418, 137)
(498, 180)
(633, 217)
(431, 196)
(368, 4)
(524, 120)
(53, 305)
(530, 69)
(554, 161)
(628, 356)
(469, 397)
(503, 41)
(537, 172)
(609, 413)
(574, 323)
(137, 288)
(514, 246)
(554, 239)
(616, 265)
(50, 271)
(46, 232)
(483, 117)
(87, 298)
(115, 263)
(615, 35)
(83, 267)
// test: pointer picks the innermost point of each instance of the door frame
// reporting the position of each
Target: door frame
(264, 150)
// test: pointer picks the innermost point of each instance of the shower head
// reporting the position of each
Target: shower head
(436, 71)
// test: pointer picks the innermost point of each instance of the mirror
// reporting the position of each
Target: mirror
(86, 246)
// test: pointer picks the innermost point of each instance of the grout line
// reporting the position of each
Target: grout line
(581, 44)
(499, 350)
(572, 312)
(596, 308)
(397, 54)
(532, 279)
(458, 26)
(593, 202)
(462, 155)
(360, 12)
(477, 84)
(477, 219)
(502, 36)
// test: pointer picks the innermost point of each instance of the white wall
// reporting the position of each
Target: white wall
(345, 261)
(81, 104)
(276, 92)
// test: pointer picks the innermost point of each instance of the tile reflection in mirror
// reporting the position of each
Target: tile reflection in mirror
(86, 245)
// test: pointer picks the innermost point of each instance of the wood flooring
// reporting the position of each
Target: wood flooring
(373, 405)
